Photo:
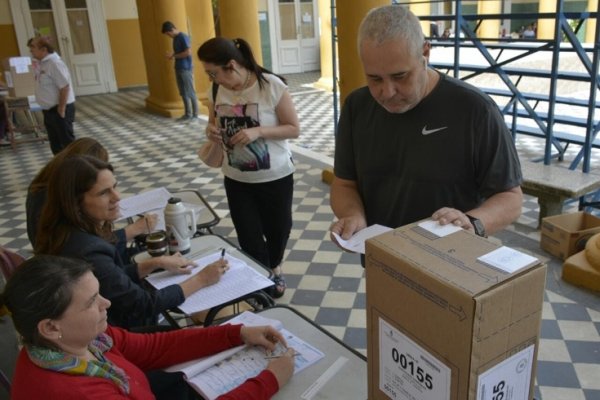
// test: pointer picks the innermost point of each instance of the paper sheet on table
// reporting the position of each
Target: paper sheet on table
(356, 243)
(152, 202)
(194, 367)
(239, 280)
(247, 363)
(155, 199)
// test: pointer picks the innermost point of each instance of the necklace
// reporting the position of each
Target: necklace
(238, 93)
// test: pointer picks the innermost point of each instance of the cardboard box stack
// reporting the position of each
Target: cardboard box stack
(19, 76)
(454, 317)
(566, 234)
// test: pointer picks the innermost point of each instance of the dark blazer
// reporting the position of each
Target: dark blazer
(132, 305)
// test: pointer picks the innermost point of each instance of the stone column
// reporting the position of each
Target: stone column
(545, 26)
(349, 16)
(239, 19)
(489, 28)
(351, 75)
(590, 27)
(325, 28)
(164, 97)
(201, 27)
(419, 7)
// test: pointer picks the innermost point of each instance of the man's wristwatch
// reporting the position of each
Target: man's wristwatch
(477, 226)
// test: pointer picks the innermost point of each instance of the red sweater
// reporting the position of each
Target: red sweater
(135, 353)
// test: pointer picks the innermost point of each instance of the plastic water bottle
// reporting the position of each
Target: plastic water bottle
(181, 226)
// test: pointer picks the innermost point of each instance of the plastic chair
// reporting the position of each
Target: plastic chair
(4, 382)
(9, 261)
(257, 300)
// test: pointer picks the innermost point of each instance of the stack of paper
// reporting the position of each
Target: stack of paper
(238, 281)
(218, 374)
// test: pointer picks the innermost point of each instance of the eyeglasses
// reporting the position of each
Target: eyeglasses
(212, 74)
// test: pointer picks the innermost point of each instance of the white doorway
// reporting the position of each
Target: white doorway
(296, 44)
(78, 32)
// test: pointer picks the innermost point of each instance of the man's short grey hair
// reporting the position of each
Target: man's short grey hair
(392, 22)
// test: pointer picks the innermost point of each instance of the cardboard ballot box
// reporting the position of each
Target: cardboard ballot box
(566, 234)
(19, 76)
(451, 318)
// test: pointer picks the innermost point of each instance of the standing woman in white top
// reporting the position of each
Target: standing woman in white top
(252, 115)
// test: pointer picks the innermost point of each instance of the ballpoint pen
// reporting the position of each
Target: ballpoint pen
(279, 356)
(223, 252)
(147, 223)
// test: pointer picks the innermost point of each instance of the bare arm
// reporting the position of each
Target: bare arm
(145, 224)
(347, 207)
(496, 212)
(209, 275)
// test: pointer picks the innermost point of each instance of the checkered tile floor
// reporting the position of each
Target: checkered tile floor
(324, 283)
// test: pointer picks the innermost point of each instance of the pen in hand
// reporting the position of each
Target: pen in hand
(223, 252)
(279, 356)
(147, 223)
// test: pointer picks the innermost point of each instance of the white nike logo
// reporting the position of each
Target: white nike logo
(426, 131)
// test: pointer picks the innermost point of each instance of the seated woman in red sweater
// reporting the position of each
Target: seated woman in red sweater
(70, 351)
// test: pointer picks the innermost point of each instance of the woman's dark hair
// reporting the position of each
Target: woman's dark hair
(221, 50)
(62, 211)
(41, 288)
(84, 145)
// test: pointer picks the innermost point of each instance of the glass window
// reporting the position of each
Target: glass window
(75, 4)
(308, 23)
(287, 16)
(81, 35)
(43, 25)
(40, 5)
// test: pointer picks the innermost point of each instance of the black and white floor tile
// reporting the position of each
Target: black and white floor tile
(324, 283)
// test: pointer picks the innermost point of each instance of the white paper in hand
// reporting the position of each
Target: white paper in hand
(356, 243)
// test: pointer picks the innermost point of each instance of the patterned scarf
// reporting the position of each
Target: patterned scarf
(67, 364)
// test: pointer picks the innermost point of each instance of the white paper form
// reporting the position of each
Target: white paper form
(508, 380)
(437, 229)
(20, 64)
(507, 259)
(155, 199)
(356, 243)
(233, 371)
(239, 280)
(194, 367)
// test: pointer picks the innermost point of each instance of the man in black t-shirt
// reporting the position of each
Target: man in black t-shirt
(415, 143)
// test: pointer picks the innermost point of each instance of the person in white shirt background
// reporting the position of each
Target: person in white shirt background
(54, 93)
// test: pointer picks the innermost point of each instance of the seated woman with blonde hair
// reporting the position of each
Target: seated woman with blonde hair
(70, 351)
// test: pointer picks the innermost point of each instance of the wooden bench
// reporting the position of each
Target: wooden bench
(553, 185)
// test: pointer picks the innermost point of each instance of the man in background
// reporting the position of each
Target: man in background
(183, 69)
(54, 93)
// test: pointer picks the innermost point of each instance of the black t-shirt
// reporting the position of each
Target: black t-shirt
(452, 150)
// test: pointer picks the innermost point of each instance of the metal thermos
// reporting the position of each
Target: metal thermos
(180, 223)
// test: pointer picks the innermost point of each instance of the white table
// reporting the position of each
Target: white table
(350, 380)
(206, 244)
